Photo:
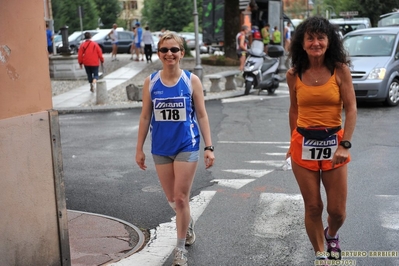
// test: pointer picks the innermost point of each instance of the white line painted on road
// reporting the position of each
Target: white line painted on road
(275, 153)
(254, 98)
(389, 214)
(283, 147)
(163, 238)
(233, 183)
(253, 173)
(268, 162)
(254, 142)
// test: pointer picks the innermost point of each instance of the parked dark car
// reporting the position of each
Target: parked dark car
(125, 41)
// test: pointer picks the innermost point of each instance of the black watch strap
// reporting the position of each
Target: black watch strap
(346, 144)
(209, 148)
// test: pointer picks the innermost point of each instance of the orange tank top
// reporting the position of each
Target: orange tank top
(319, 105)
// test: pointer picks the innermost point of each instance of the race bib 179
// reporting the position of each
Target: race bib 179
(170, 109)
(319, 149)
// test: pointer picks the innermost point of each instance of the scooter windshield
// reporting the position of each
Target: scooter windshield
(257, 48)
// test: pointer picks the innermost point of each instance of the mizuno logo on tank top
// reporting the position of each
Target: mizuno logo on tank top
(173, 103)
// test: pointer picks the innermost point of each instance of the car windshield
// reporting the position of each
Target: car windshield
(100, 35)
(369, 44)
(389, 20)
(75, 35)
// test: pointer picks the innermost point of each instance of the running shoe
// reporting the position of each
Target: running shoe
(180, 258)
(91, 87)
(190, 235)
(332, 247)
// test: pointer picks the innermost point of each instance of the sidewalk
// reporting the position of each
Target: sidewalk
(71, 101)
(97, 239)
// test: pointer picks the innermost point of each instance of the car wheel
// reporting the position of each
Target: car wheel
(393, 93)
(74, 50)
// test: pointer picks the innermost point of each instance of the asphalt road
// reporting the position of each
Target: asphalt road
(248, 210)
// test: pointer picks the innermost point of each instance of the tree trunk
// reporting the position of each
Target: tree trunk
(231, 27)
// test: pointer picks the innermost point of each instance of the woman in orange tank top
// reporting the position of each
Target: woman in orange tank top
(320, 84)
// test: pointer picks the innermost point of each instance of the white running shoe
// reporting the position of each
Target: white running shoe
(180, 258)
(190, 235)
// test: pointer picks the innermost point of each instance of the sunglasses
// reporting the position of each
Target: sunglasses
(164, 50)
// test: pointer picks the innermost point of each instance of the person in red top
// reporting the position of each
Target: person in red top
(90, 55)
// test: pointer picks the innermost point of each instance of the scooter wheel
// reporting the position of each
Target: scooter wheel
(248, 86)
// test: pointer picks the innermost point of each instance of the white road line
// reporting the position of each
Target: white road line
(283, 147)
(252, 173)
(163, 238)
(268, 162)
(233, 183)
(247, 98)
(389, 215)
(275, 153)
(254, 142)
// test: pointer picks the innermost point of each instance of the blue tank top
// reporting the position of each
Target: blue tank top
(174, 126)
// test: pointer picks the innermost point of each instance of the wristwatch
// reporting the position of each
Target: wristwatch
(346, 144)
(209, 148)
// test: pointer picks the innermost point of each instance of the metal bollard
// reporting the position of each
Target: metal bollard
(101, 92)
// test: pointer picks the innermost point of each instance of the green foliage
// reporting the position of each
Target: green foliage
(69, 13)
(190, 28)
(108, 11)
(179, 14)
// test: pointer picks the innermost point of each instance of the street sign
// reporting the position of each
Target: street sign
(348, 13)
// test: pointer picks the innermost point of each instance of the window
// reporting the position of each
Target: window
(130, 5)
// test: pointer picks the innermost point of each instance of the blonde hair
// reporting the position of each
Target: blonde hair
(171, 36)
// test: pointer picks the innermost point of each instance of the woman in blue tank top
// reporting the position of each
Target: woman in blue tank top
(174, 112)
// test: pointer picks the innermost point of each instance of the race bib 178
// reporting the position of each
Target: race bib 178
(319, 149)
(170, 109)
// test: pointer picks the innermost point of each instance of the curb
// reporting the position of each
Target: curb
(110, 108)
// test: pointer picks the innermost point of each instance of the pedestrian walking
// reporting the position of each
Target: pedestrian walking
(133, 45)
(242, 45)
(174, 109)
(50, 37)
(90, 55)
(320, 85)
(148, 43)
(113, 34)
(276, 36)
(265, 36)
(138, 38)
(287, 37)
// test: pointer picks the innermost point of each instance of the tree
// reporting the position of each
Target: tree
(69, 14)
(56, 6)
(179, 14)
(108, 11)
(231, 27)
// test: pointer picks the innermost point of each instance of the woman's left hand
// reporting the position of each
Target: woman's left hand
(340, 156)
(209, 157)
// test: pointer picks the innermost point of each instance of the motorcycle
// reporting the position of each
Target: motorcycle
(261, 70)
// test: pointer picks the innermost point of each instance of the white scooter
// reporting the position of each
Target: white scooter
(261, 70)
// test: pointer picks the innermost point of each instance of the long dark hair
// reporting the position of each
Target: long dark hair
(335, 52)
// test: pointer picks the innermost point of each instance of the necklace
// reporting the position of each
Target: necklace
(316, 80)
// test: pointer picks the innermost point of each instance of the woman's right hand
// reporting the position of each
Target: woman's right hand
(140, 160)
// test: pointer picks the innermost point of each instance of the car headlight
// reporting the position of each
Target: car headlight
(377, 73)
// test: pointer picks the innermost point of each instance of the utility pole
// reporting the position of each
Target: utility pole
(198, 68)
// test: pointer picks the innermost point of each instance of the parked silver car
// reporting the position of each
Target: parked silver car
(374, 53)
